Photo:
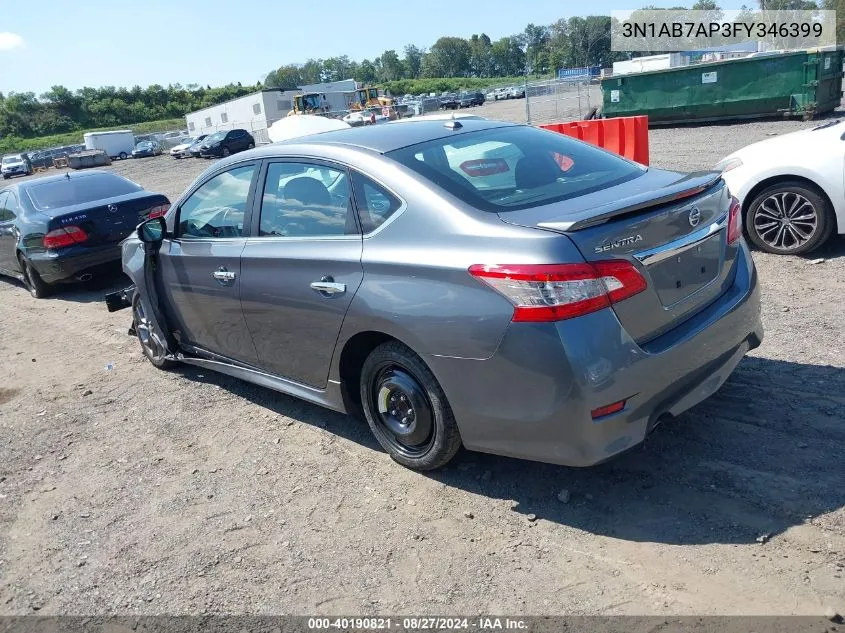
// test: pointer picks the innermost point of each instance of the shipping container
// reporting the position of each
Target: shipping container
(798, 84)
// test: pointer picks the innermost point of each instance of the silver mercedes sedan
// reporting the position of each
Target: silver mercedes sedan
(457, 283)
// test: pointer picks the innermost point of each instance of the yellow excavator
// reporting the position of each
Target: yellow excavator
(371, 98)
(309, 103)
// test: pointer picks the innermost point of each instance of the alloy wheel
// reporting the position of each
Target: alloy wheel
(786, 220)
(150, 343)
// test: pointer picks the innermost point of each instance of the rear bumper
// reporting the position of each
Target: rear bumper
(63, 266)
(533, 398)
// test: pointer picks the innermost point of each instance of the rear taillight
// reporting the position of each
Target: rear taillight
(734, 222)
(65, 236)
(553, 292)
(159, 211)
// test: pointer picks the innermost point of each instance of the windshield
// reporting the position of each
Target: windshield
(511, 168)
(67, 192)
(217, 136)
(144, 145)
(11, 159)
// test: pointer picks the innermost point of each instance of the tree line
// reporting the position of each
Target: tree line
(450, 61)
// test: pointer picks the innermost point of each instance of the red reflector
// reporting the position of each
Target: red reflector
(159, 211)
(65, 236)
(734, 222)
(553, 292)
(608, 409)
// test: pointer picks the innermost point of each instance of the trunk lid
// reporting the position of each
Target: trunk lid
(107, 221)
(671, 226)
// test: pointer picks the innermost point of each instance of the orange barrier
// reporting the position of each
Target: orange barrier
(627, 136)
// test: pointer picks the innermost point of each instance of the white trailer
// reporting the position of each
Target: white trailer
(116, 143)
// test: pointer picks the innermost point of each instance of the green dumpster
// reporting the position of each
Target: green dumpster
(799, 84)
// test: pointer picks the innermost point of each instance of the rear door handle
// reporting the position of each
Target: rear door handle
(328, 287)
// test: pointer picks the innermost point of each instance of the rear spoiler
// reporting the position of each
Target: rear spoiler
(686, 187)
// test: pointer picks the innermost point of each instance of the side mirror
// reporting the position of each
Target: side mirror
(152, 231)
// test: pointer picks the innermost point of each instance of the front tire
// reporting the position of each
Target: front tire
(226, 152)
(789, 218)
(407, 410)
(37, 287)
(151, 346)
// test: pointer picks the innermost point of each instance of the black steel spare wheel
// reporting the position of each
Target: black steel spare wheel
(406, 409)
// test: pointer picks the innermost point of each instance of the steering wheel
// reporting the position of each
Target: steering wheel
(226, 229)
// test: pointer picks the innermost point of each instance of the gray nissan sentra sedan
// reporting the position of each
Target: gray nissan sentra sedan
(472, 283)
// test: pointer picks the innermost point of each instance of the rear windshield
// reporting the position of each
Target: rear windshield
(511, 168)
(80, 190)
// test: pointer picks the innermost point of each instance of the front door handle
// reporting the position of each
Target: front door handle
(327, 286)
(223, 275)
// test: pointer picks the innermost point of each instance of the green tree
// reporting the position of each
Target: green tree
(412, 62)
(450, 57)
(389, 66)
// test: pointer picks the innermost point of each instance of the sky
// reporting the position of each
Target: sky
(214, 42)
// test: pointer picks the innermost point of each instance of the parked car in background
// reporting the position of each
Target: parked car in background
(463, 282)
(516, 92)
(183, 149)
(467, 100)
(65, 227)
(450, 102)
(790, 188)
(194, 150)
(15, 165)
(146, 148)
(226, 142)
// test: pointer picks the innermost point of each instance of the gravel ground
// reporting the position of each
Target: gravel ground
(130, 490)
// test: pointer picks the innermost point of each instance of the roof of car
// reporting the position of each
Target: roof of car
(388, 137)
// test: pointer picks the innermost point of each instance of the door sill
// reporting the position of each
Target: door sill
(330, 397)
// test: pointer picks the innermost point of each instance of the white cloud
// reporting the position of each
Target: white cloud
(9, 41)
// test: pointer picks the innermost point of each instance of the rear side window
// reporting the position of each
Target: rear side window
(375, 203)
(510, 168)
(79, 190)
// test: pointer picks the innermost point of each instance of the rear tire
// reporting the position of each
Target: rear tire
(151, 346)
(770, 220)
(37, 287)
(407, 410)
(122, 156)
(251, 146)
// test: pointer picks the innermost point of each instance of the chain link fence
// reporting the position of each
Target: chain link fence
(558, 100)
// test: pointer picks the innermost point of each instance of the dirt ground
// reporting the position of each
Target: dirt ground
(124, 489)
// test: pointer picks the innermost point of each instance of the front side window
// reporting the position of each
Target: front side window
(510, 168)
(217, 209)
(306, 200)
(5, 215)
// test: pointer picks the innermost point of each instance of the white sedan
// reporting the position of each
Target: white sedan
(181, 150)
(791, 188)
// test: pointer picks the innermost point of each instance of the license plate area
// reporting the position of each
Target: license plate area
(686, 272)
